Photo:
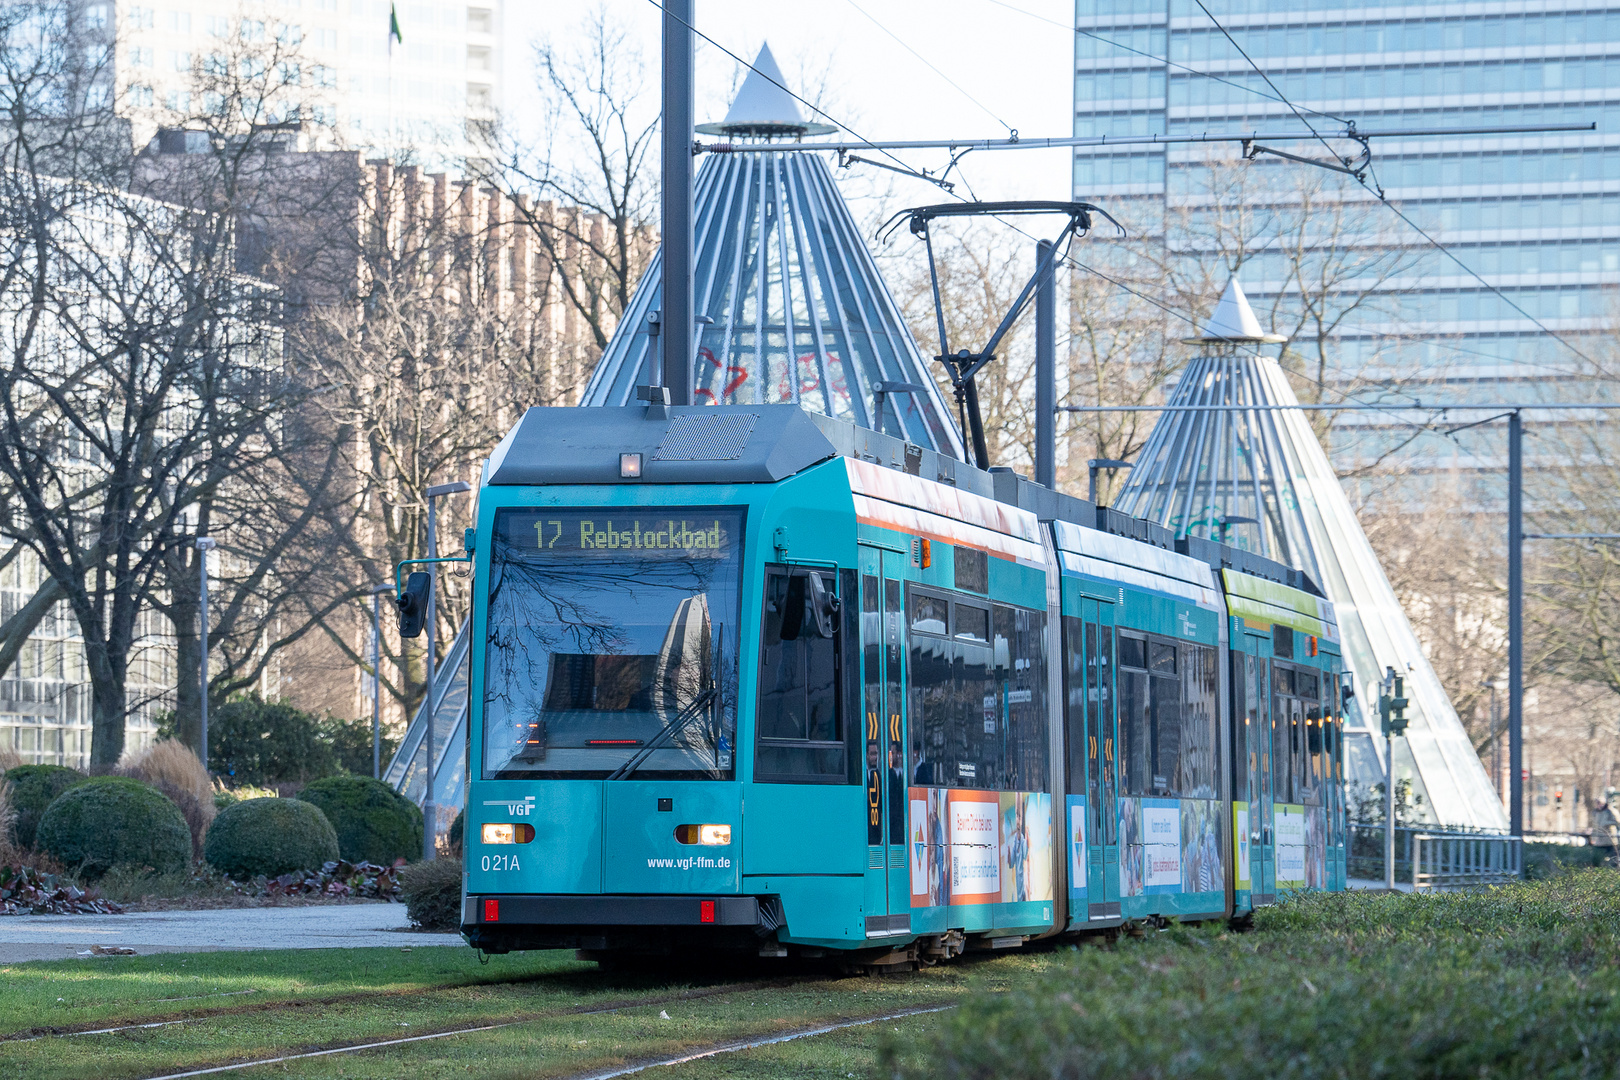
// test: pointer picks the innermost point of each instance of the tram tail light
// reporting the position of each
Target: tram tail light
(492, 911)
(705, 911)
(708, 835)
(520, 833)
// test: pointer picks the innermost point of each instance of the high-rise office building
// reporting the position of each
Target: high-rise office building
(1536, 214)
(432, 89)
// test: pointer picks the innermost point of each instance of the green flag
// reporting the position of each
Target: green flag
(393, 27)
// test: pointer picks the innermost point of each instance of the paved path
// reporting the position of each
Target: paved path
(336, 926)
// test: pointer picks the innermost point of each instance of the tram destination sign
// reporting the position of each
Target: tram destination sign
(684, 533)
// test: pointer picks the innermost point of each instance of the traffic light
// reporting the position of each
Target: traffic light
(1392, 707)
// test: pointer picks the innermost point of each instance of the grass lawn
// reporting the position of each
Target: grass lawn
(1514, 982)
(565, 1017)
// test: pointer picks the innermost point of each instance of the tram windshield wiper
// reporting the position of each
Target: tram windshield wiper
(676, 726)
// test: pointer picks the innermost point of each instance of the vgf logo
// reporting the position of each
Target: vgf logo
(516, 809)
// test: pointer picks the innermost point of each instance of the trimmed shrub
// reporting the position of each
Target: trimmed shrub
(374, 823)
(270, 837)
(432, 892)
(114, 821)
(33, 787)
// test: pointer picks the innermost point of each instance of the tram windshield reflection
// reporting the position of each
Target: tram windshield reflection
(612, 643)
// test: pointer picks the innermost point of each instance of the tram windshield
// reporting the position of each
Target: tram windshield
(611, 647)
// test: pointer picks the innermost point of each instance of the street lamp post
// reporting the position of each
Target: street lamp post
(376, 677)
(205, 544)
(430, 811)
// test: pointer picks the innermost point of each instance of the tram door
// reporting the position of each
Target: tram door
(1102, 766)
(1262, 833)
(888, 885)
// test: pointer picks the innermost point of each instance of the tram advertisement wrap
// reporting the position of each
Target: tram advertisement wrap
(1290, 833)
(1161, 845)
(975, 862)
(928, 847)
(979, 847)
(1026, 846)
(1240, 843)
(1202, 868)
(1077, 843)
(1169, 846)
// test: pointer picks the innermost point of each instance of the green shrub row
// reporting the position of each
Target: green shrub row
(254, 742)
(93, 825)
(1518, 981)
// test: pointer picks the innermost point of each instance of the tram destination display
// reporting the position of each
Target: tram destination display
(683, 534)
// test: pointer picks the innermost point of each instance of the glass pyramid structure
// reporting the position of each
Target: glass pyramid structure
(796, 309)
(1260, 477)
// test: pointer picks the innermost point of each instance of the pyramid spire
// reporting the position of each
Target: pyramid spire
(791, 307)
(763, 107)
(1233, 322)
(1235, 467)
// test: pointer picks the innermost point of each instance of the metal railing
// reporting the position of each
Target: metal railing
(1452, 861)
(1366, 854)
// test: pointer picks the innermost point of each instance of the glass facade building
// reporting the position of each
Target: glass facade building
(1538, 215)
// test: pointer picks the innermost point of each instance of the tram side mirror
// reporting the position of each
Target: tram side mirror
(808, 610)
(413, 604)
(1347, 685)
(823, 607)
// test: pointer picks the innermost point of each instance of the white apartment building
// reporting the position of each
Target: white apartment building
(430, 94)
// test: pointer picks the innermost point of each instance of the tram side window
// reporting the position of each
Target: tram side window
(1198, 759)
(1074, 696)
(1286, 752)
(1168, 716)
(1021, 672)
(977, 694)
(977, 745)
(800, 736)
(932, 690)
(1135, 717)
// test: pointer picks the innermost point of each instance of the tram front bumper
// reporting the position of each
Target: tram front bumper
(528, 911)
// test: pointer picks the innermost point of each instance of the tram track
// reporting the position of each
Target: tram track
(260, 1008)
(715, 1050)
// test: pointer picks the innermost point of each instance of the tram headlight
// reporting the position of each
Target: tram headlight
(506, 833)
(708, 835)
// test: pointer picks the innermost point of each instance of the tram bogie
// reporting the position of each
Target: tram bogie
(790, 688)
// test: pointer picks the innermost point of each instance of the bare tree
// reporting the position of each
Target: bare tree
(593, 173)
(426, 366)
(137, 359)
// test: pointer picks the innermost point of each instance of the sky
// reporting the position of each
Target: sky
(1011, 70)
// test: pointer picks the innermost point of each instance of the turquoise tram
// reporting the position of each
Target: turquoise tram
(755, 679)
